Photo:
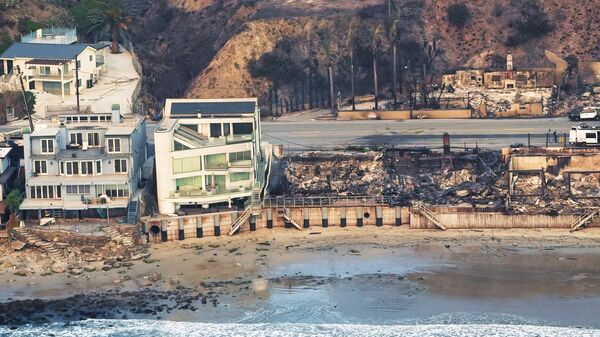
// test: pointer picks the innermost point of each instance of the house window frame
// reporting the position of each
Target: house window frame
(48, 141)
(114, 145)
(119, 167)
(42, 165)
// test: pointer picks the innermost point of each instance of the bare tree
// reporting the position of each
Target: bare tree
(351, 40)
(376, 43)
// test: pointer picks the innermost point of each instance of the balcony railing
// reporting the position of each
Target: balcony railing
(52, 75)
(190, 193)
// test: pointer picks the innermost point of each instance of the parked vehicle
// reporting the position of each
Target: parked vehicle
(584, 134)
(587, 113)
(574, 114)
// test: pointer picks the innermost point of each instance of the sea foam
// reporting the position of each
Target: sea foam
(135, 327)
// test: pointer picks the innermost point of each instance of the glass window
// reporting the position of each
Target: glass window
(177, 146)
(226, 130)
(240, 156)
(120, 165)
(215, 161)
(182, 165)
(98, 167)
(76, 138)
(242, 128)
(114, 145)
(215, 129)
(189, 183)
(40, 167)
(93, 138)
(239, 176)
(215, 181)
(47, 146)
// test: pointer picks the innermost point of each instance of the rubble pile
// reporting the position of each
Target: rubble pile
(585, 186)
(67, 251)
(497, 100)
(340, 174)
(409, 175)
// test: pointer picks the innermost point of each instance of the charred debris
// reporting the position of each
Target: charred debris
(469, 178)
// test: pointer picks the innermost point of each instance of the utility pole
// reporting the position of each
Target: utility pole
(25, 98)
(77, 81)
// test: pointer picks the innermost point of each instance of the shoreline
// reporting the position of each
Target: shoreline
(224, 278)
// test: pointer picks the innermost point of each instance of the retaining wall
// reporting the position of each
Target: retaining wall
(405, 114)
(217, 224)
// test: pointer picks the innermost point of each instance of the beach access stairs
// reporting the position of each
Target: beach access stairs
(584, 220)
(30, 238)
(429, 215)
(252, 208)
(116, 236)
(284, 213)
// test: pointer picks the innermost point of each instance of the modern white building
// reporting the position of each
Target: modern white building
(209, 153)
(54, 68)
(84, 165)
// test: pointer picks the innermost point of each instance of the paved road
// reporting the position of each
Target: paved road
(485, 133)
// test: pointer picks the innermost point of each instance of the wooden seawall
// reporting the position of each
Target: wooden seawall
(343, 213)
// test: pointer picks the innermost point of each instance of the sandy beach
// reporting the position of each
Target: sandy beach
(364, 275)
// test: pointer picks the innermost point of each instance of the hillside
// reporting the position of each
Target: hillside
(575, 33)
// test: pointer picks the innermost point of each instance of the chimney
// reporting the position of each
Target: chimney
(116, 114)
(509, 62)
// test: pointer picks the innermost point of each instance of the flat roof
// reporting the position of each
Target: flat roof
(44, 132)
(44, 51)
(120, 131)
(217, 107)
(4, 151)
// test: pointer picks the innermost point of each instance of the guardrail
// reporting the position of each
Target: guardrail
(348, 201)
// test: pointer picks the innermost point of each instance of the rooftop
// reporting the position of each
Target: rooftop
(4, 151)
(178, 108)
(51, 35)
(44, 51)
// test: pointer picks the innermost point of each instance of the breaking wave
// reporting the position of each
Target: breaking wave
(130, 328)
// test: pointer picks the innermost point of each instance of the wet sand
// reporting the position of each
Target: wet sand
(358, 275)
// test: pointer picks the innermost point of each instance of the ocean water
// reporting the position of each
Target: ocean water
(131, 328)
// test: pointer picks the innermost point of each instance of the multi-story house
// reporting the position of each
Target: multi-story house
(58, 69)
(208, 153)
(84, 164)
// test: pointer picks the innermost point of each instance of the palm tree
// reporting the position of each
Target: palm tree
(392, 35)
(114, 17)
(351, 38)
(375, 44)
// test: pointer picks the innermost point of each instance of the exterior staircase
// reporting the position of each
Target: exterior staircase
(584, 220)
(237, 224)
(29, 237)
(429, 215)
(133, 211)
(283, 213)
(116, 236)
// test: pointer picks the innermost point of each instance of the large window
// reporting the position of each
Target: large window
(242, 128)
(76, 138)
(177, 146)
(239, 176)
(215, 129)
(120, 165)
(215, 161)
(114, 145)
(93, 139)
(78, 189)
(87, 167)
(72, 168)
(215, 182)
(189, 183)
(45, 192)
(240, 156)
(113, 191)
(47, 146)
(40, 167)
(182, 165)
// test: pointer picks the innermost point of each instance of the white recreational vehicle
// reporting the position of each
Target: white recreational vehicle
(584, 134)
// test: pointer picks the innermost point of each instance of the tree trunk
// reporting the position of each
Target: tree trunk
(375, 82)
(115, 41)
(394, 77)
(271, 101)
(310, 89)
(352, 80)
(302, 94)
(331, 95)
